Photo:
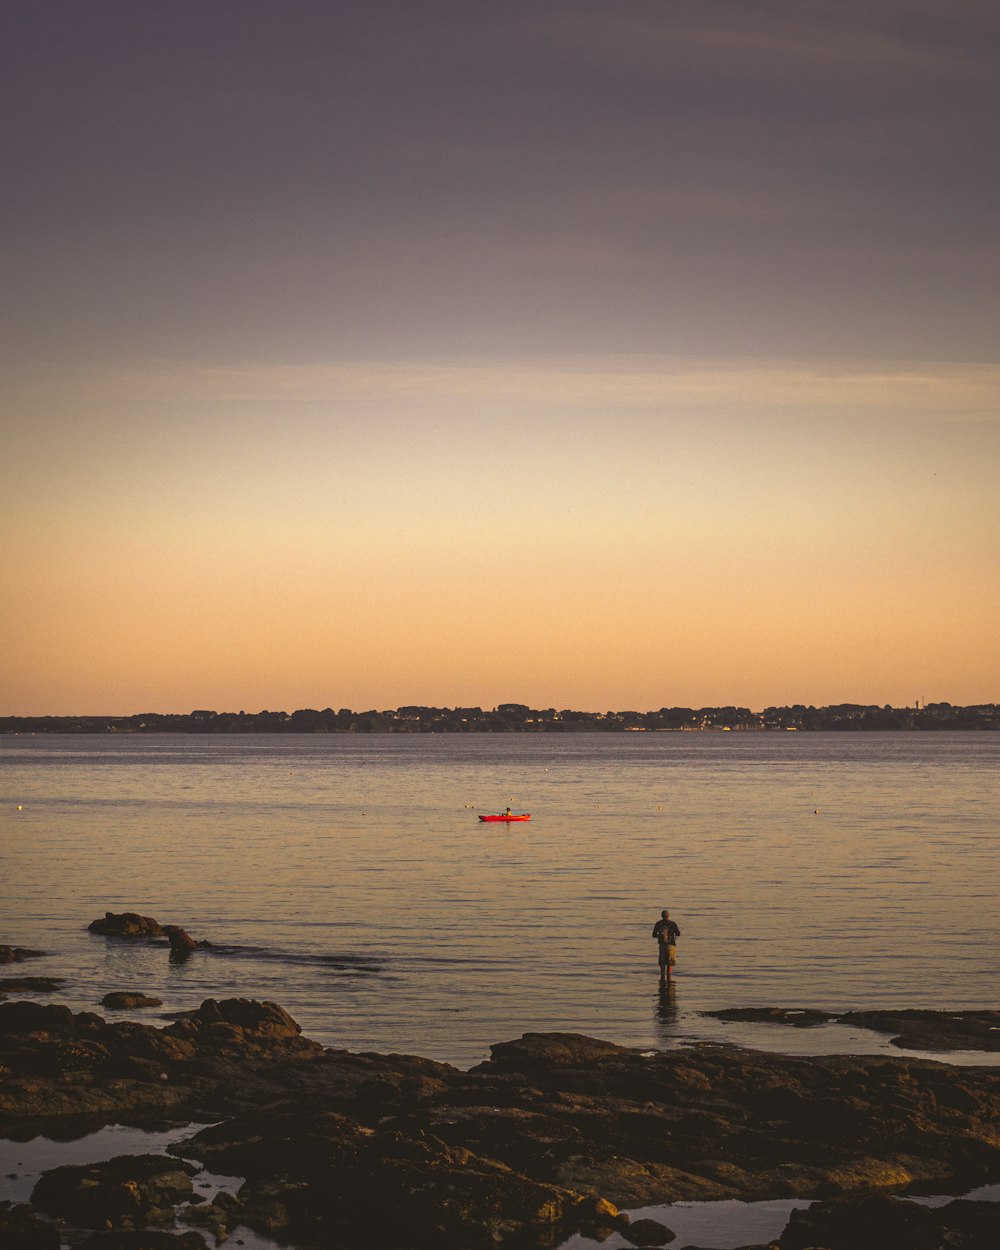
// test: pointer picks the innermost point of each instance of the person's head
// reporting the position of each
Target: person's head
(665, 914)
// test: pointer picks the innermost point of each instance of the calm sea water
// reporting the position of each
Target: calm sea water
(348, 878)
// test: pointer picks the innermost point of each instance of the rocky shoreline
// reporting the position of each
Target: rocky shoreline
(550, 1136)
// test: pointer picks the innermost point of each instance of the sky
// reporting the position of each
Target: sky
(453, 352)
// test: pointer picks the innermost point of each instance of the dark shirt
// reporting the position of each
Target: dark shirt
(665, 931)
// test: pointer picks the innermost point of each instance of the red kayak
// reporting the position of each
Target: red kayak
(506, 819)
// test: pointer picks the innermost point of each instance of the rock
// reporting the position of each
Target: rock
(933, 1030)
(126, 924)
(21, 1229)
(877, 1223)
(914, 1030)
(27, 1017)
(30, 985)
(17, 954)
(264, 1018)
(647, 1233)
(181, 942)
(118, 1192)
(125, 1000)
(798, 1017)
(142, 1239)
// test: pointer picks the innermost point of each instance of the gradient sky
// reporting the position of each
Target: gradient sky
(598, 355)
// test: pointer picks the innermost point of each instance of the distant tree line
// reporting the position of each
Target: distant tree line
(519, 718)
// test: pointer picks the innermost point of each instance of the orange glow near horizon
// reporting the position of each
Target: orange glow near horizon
(543, 552)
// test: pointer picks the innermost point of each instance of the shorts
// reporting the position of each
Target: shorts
(668, 954)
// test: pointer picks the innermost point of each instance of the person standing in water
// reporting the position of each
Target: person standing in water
(666, 933)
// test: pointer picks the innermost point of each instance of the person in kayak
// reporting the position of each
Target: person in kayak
(507, 812)
(666, 933)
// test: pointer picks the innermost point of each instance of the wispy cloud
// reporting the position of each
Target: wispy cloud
(612, 385)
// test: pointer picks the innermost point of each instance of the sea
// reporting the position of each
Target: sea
(348, 878)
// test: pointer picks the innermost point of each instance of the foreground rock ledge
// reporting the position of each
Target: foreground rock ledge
(347, 1149)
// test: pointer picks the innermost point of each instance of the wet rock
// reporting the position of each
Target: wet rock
(798, 1017)
(912, 1030)
(125, 1000)
(876, 1223)
(30, 985)
(126, 924)
(53, 1063)
(218, 1216)
(933, 1030)
(647, 1233)
(17, 954)
(265, 1019)
(182, 944)
(142, 1239)
(123, 1191)
(21, 1229)
(28, 1017)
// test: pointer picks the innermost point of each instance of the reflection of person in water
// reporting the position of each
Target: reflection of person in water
(666, 1013)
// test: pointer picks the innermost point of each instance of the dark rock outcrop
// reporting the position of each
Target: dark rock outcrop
(647, 1233)
(126, 1000)
(237, 1052)
(123, 1192)
(21, 1229)
(142, 1239)
(877, 1223)
(126, 924)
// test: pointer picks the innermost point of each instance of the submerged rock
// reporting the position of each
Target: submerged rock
(914, 1030)
(18, 954)
(30, 985)
(933, 1030)
(798, 1017)
(125, 1000)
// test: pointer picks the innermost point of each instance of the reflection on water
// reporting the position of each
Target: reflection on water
(666, 1015)
(348, 878)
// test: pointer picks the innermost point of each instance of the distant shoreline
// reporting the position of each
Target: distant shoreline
(519, 718)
